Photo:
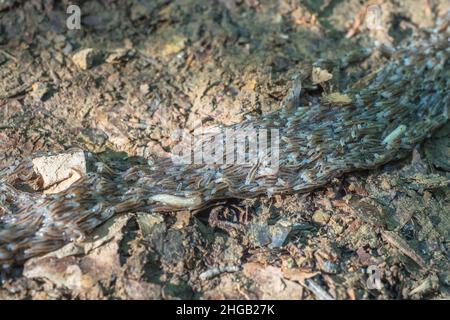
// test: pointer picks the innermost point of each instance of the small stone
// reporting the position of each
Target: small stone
(118, 55)
(259, 234)
(385, 185)
(113, 127)
(320, 75)
(321, 217)
(183, 218)
(86, 58)
(176, 44)
(364, 257)
(144, 88)
(68, 48)
(156, 134)
(337, 228)
(279, 232)
(60, 171)
(40, 91)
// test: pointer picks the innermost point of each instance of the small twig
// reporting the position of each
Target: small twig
(317, 290)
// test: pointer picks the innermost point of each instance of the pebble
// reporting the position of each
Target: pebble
(321, 217)
(68, 48)
(61, 170)
(120, 54)
(279, 234)
(86, 58)
(144, 88)
(40, 90)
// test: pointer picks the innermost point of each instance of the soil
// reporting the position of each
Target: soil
(136, 71)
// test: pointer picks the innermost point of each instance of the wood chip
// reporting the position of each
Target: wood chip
(395, 240)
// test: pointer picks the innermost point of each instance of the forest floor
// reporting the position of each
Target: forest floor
(138, 70)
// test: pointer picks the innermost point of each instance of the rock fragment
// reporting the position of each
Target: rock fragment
(40, 91)
(321, 217)
(86, 58)
(60, 171)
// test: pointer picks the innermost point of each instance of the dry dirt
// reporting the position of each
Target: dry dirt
(138, 70)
